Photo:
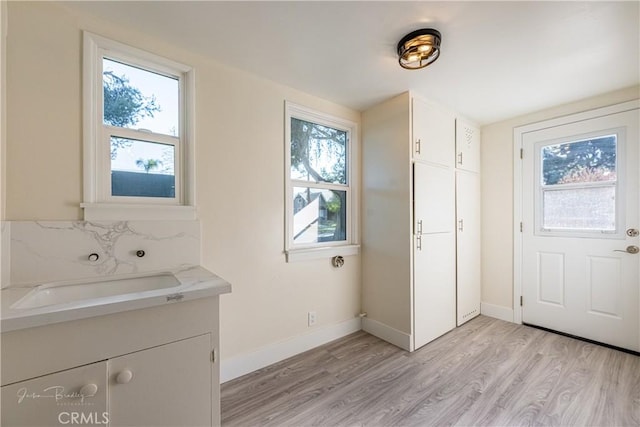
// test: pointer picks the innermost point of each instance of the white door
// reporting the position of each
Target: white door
(467, 146)
(434, 199)
(468, 245)
(169, 385)
(434, 252)
(580, 204)
(433, 133)
(434, 291)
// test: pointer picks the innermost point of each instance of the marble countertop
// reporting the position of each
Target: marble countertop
(194, 282)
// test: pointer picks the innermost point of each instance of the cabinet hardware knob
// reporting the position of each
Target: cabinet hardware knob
(124, 377)
(93, 257)
(140, 253)
(88, 390)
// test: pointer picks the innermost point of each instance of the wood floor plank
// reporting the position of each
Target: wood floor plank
(486, 373)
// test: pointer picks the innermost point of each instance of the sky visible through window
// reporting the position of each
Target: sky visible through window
(165, 121)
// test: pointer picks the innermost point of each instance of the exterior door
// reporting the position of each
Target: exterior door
(580, 204)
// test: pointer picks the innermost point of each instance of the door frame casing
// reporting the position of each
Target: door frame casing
(518, 134)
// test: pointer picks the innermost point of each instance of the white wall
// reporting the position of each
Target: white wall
(497, 194)
(240, 172)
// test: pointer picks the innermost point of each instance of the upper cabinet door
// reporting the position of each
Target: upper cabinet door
(434, 200)
(467, 146)
(433, 133)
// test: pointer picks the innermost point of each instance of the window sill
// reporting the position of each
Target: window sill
(295, 255)
(114, 211)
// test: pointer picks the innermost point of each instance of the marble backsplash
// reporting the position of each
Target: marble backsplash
(35, 252)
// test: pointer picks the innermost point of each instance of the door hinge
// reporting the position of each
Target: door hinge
(213, 356)
(521, 303)
(522, 153)
(521, 227)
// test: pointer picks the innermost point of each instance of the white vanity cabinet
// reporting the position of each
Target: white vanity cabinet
(153, 366)
(412, 251)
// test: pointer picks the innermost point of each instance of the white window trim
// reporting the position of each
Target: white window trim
(325, 249)
(96, 205)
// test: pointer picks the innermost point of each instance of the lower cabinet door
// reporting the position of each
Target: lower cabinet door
(169, 385)
(76, 397)
(434, 287)
(468, 245)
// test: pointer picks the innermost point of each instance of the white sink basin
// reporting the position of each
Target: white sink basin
(61, 293)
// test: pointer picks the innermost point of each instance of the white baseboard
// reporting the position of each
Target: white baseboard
(243, 364)
(387, 333)
(496, 311)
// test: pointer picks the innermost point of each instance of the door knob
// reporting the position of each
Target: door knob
(124, 377)
(88, 390)
(630, 249)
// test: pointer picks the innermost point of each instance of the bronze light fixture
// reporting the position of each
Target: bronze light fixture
(419, 48)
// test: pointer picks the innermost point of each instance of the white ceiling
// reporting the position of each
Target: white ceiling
(498, 60)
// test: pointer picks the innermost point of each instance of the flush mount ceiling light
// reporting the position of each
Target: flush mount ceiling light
(419, 48)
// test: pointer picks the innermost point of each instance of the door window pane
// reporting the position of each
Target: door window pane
(578, 185)
(319, 215)
(592, 160)
(318, 153)
(592, 209)
(142, 169)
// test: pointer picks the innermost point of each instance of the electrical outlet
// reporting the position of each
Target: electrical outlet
(311, 317)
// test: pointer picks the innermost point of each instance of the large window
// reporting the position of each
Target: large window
(138, 128)
(321, 201)
(578, 185)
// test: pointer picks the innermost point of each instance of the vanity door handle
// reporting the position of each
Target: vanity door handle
(124, 377)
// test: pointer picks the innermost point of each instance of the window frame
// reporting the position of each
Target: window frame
(618, 184)
(98, 203)
(349, 246)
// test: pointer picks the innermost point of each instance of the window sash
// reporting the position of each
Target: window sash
(143, 136)
(308, 115)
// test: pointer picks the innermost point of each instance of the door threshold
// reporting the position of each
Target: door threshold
(613, 347)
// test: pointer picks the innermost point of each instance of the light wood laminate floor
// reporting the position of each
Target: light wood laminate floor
(487, 372)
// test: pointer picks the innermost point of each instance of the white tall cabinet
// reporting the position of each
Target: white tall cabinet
(468, 220)
(411, 238)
